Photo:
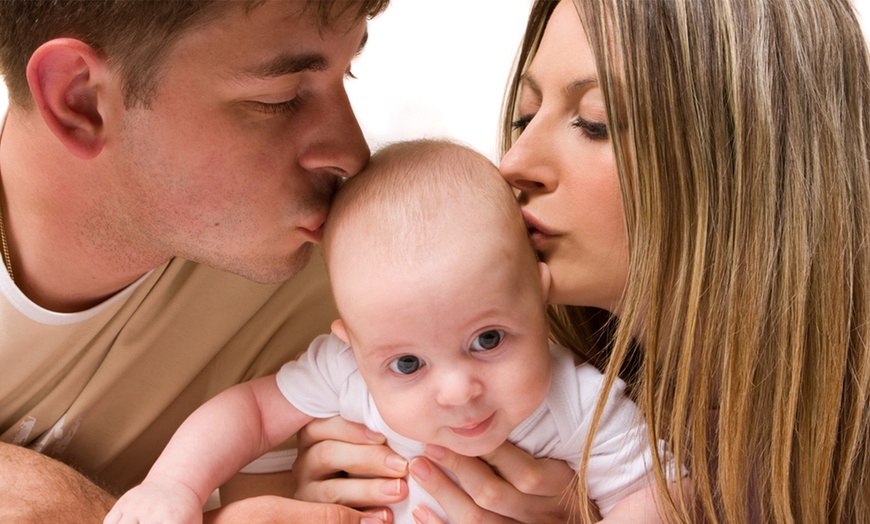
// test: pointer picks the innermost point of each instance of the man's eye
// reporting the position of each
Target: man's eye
(286, 107)
(406, 365)
(487, 340)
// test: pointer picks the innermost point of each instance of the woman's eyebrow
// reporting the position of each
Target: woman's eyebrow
(531, 83)
(581, 84)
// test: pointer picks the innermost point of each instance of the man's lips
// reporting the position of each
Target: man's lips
(314, 235)
(474, 429)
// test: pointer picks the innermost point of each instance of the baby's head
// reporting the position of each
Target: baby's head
(440, 294)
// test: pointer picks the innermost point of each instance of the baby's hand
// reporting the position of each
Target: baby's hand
(157, 501)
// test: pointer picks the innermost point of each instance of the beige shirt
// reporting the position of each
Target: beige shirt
(104, 389)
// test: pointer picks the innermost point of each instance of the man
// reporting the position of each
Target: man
(152, 152)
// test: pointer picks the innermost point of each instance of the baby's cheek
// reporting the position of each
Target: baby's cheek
(407, 416)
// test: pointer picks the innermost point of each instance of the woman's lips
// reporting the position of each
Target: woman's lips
(474, 430)
(538, 232)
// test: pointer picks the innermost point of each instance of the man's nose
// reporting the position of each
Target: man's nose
(338, 147)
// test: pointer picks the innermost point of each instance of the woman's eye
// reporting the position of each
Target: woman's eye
(487, 340)
(593, 130)
(522, 123)
(406, 365)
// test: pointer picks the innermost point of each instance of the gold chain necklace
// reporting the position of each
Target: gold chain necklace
(7, 261)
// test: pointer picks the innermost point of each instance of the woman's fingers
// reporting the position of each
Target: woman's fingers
(455, 502)
(538, 490)
(545, 477)
(424, 515)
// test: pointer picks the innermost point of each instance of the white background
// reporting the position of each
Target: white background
(440, 68)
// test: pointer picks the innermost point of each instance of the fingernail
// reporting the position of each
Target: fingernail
(374, 436)
(391, 487)
(397, 463)
(436, 452)
(420, 469)
(421, 516)
(377, 517)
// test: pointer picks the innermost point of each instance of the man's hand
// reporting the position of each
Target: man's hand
(35, 488)
(329, 449)
(274, 510)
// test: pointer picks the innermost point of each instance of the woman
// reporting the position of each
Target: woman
(697, 177)
(699, 171)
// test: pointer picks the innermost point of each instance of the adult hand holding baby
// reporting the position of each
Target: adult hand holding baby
(509, 482)
(507, 485)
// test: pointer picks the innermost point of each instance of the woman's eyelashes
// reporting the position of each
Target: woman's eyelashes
(521, 123)
(591, 129)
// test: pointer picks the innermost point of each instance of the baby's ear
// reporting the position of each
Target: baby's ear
(340, 331)
(544, 270)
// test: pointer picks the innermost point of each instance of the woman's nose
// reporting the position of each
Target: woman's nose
(527, 165)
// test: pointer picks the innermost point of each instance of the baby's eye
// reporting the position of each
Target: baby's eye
(487, 340)
(406, 364)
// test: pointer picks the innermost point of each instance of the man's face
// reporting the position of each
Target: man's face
(235, 161)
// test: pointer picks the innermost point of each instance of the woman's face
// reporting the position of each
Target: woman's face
(563, 167)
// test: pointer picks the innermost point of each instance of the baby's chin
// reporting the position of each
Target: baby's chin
(473, 447)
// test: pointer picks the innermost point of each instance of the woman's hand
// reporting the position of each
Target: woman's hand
(329, 449)
(508, 485)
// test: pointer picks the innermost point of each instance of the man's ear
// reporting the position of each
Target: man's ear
(340, 331)
(544, 270)
(64, 75)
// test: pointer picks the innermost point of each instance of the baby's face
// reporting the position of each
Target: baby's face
(454, 352)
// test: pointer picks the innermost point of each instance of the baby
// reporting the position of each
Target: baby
(442, 339)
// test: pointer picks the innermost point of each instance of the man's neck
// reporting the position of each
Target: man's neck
(53, 224)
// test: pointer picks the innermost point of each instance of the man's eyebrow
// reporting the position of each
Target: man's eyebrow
(290, 64)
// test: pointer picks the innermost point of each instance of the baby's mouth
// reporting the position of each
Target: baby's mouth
(474, 429)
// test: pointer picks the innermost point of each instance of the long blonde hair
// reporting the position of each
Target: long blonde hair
(740, 130)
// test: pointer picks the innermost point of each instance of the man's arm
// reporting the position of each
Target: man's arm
(36, 488)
